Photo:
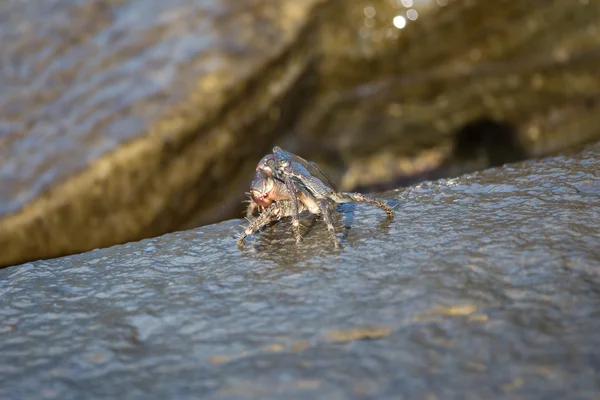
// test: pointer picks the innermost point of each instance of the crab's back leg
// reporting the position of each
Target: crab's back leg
(268, 216)
(346, 197)
(326, 211)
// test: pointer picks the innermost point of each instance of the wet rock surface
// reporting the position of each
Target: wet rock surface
(113, 112)
(485, 285)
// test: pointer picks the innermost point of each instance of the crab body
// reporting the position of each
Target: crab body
(288, 184)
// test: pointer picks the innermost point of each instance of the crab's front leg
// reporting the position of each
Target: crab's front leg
(292, 187)
(326, 211)
(268, 216)
(346, 197)
(251, 208)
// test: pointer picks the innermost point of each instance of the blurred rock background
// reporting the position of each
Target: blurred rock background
(125, 119)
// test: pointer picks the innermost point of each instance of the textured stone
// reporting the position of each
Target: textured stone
(483, 286)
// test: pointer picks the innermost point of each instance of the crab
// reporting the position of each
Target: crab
(297, 184)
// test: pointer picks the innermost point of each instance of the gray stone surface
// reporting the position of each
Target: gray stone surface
(484, 286)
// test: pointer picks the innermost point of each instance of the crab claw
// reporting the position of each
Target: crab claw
(260, 191)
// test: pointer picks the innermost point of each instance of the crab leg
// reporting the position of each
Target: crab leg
(251, 208)
(291, 186)
(347, 197)
(325, 210)
(268, 216)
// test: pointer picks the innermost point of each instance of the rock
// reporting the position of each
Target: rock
(128, 119)
(485, 285)
(434, 98)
